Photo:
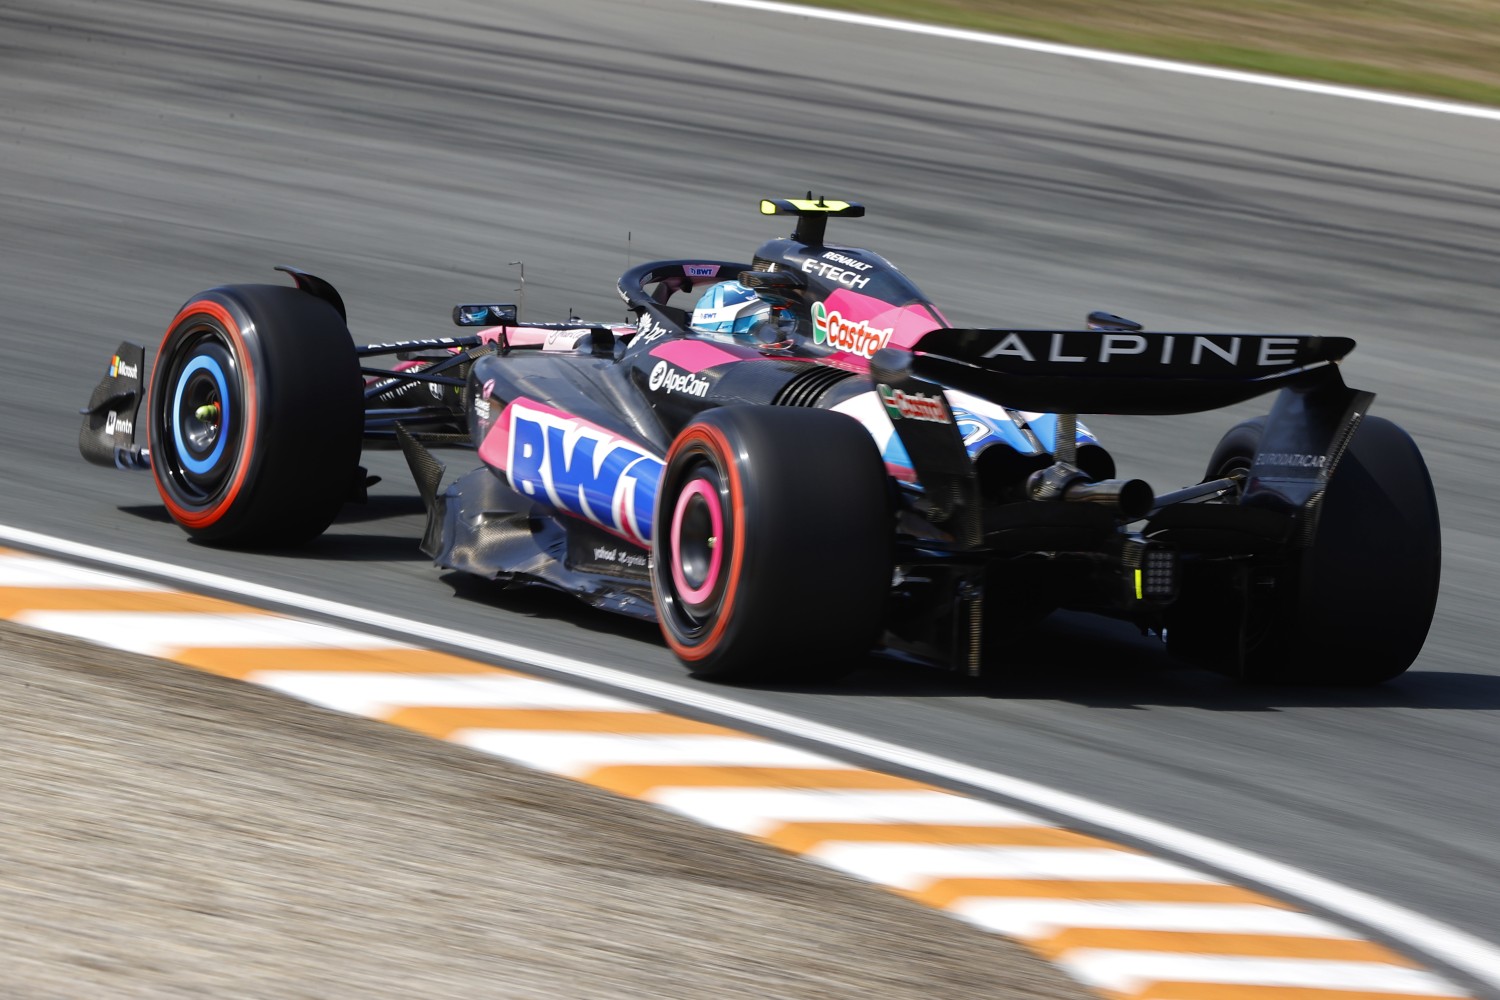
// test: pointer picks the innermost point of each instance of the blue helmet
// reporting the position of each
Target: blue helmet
(729, 309)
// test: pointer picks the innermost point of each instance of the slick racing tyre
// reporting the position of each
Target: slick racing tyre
(256, 416)
(1355, 606)
(772, 544)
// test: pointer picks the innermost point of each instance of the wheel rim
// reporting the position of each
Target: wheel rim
(1227, 468)
(199, 418)
(695, 551)
(693, 576)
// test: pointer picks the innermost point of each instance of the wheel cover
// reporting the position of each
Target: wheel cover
(695, 570)
(695, 551)
(199, 418)
(201, 413)
(1226, 468)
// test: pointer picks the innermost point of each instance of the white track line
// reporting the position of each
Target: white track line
(25, 571)
(1457, 948)
(1116, 58)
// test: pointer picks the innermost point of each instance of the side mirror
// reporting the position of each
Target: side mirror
(491, 314)
(773, 281)
(779, 288)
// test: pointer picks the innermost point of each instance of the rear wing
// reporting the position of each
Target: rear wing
(1088, 371)
(1132, 372)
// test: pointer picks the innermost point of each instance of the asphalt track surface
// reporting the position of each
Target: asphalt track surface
(148, 150)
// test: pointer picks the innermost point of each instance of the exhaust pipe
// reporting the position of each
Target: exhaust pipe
(1133, 498)
(1063, 480)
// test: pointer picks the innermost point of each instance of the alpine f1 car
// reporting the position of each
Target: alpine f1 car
(794, 460)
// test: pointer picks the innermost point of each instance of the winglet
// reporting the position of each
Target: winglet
(812, 214)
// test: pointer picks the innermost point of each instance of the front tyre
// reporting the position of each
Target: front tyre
(772, 544)
(256, 416)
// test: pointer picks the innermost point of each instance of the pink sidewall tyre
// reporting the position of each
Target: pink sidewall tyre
(772, 544)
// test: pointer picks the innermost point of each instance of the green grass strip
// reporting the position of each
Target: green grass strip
(1437, 48)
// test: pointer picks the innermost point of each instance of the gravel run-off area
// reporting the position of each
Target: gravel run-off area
(173, 834)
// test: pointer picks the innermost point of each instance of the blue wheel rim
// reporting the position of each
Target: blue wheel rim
(211, 366)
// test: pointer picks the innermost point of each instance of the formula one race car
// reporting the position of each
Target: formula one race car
(794, 460)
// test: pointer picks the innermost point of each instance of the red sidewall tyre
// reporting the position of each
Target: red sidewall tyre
(255, 416)
(772, 544)
(205, 320)
(700, 623)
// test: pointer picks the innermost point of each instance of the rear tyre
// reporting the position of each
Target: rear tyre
(256, 416)
(772, 544)
(1356, 606)
(1236, 449)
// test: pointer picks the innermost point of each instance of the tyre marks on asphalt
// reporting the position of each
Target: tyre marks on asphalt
(1126, 923)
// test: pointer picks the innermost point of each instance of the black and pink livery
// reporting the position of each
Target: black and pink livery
(864, 477)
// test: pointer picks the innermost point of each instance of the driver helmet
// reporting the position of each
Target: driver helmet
(730, 310)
